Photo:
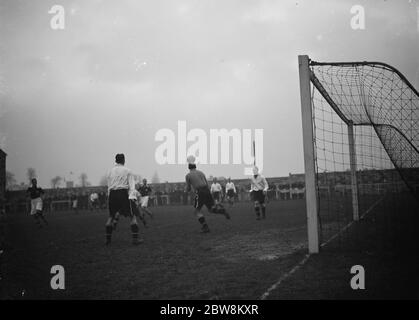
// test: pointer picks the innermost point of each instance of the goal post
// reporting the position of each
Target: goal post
(360, 124)
(354, 181)
(309, 156)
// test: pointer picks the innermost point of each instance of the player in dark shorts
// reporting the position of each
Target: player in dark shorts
(258, 196)
(196, 179)
(216, 196)
(94, 201)
(122, 200)
(216, 191)
(230, 191)
(35, 194)
(259, 188)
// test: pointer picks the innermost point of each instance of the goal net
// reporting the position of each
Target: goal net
(363, 140)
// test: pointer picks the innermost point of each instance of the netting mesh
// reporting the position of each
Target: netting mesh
(383, 109)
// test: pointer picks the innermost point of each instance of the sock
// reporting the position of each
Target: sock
(108, 233)
(202, 220)
(42, 217)
(38, 222)
(134, 230)
(257, 210)
(263, 211)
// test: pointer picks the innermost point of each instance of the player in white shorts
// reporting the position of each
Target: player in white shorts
(145, 191)
(36, 203)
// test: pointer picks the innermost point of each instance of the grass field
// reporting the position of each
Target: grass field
(240, 259)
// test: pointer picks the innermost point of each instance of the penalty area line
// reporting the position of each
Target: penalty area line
(350, 224)
(307, 256)
(283, 277)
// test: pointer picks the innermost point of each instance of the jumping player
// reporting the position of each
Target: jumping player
(145, 191)
(230, 191)
(216, 191)
(258, 190)
(35, 194)
(196, 179)
(122, 199)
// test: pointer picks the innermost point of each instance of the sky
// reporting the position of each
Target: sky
(120, 71)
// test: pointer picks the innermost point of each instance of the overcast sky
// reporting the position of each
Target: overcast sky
(121, 70)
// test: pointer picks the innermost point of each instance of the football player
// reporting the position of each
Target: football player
(230, 191)
(196, 180)
(94, 201)
(137, 195)
(35, 194)
(121, 185)
(216, 191)
(145, 191)
(258, 190)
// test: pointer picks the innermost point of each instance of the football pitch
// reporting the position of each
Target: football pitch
(240, 258)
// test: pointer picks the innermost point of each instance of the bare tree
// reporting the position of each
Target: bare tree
(56, 181)
(83, 180)
(155, 178)
(10, 179)
(31, 174)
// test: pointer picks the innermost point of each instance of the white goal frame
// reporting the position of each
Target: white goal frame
(310, 158)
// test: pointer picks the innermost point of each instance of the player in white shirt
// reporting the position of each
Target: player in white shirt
(216, 191)
(94, 201)
(230, 191)
(122, 198)
(258, 190)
